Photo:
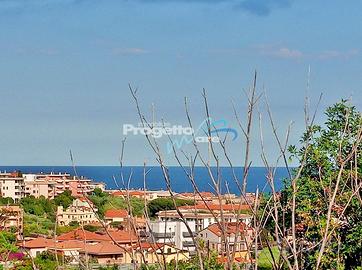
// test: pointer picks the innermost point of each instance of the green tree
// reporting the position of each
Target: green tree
(161, 204)
(90, 228)
(7, 242)
(6, 200)
(328, 146)
(64, 199)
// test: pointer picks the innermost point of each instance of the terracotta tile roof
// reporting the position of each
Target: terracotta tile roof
(217, 207)
(122, 236)
(116, 213)
(136, 193)
(103, 248)
(39, 242)
(119, 236)
(72, 244)
(230, 228)
(118, 193)
(192, 195)
(79, 234)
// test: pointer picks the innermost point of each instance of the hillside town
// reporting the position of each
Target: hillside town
(81, 223)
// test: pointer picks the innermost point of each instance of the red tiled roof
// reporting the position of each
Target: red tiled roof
(79, 234)
(122, 236)
(118, 193)
(103, 248)
(136, 193)
(116, 213)
(230, 227)
(217, 207)
(39, 242)
(118, 236)
(72, 244)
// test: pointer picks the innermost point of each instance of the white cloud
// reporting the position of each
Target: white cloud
(280, 52)
(334, 54)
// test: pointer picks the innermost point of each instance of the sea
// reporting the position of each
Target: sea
(116, 177)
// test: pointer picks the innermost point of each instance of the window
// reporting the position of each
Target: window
(168, 250)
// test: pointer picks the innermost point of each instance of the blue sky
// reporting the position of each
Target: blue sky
(65, 66)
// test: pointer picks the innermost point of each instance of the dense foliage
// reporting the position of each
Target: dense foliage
(6, 200)
(161, 204)
(326, 150)
(104, 201)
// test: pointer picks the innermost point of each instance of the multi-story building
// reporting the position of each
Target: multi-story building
(169, 227)
(173, 232)
(17, 185)
(60, 182)
(235, 236)
(81, 211)
(37, 187)
(11, 218)
(12, 185)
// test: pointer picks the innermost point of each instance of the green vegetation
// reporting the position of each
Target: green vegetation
(265, 258)
(44, 261)
(329, 169)
(34, 225)
(7, 242)
(6, 201)
(40, 207)
(39, 213)
(160, 204)
(90, 228)
(103, 201)
(210, 263)
(65, 229)
(43, 207)
(64, 199)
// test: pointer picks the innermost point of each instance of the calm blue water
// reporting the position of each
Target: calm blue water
(155, 180)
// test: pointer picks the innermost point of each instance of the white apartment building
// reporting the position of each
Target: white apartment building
(173, 232)
(12, 185)
(81, 211)
(169, 228)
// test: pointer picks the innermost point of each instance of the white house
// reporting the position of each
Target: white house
(81, 211)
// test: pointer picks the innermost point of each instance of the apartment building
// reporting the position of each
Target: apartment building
(173, 232)
(169, 227)
(12, 185)
(237, 235)
(81, 211)
(60, 182)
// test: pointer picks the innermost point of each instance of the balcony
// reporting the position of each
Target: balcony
(187, 234)
(188, 243)
(163, 235)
